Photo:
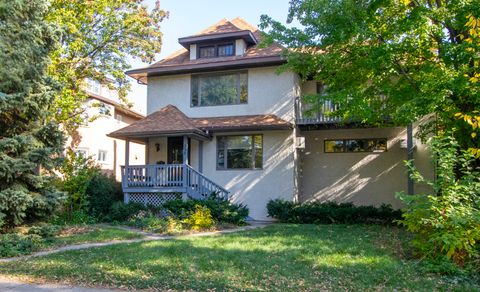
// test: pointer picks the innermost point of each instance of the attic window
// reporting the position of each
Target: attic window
(218, 50)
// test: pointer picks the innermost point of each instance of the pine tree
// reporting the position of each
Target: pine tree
(27, 142)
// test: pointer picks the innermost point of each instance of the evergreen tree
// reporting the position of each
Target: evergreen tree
(27, 142)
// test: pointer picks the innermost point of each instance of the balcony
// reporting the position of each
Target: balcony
(307, 115)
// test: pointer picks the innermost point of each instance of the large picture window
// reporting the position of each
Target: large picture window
(219, 89)
(240, 152)
(356, 145)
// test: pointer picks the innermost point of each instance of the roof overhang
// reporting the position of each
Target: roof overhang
(142, 137)
(141, 75)
(246, 35)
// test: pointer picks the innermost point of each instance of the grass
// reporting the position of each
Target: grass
(280, 257)
(75, 235)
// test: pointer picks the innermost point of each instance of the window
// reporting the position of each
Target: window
(93, 86)
(207, 52)
(240, 152)
(81, 152)
(356, 145)
(103, 109)
(216, 50)
(225, 50)
(102, 155)
(219, 89)
(119, 118)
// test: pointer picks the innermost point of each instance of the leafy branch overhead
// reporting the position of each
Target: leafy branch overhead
(398, 59)
(99, 37)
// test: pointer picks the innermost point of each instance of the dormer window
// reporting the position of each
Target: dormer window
(217, 50)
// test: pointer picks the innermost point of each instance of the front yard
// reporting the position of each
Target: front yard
(278, 257)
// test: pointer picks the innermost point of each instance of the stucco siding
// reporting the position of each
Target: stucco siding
(268, 93)
(361, 178)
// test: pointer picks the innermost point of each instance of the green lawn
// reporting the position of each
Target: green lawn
(279, 257)
(96, 234)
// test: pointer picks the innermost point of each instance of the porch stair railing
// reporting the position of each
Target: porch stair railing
(169, 178)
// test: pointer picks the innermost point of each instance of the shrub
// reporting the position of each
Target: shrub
(121, 212)
(446, 223)
(76, 217)
(200, 219)
(330, 212)
(221, 209)
(44, 231)
(12, 244)
(102, 192)
(148, 221)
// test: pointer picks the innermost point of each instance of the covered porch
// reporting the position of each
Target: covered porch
(167, 173)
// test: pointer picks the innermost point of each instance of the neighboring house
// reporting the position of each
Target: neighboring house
(222, 118)
(109, 115)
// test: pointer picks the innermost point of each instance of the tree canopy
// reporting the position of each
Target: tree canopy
(386, 58)
(98, 38)
(27, 140)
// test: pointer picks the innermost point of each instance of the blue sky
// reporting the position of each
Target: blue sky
(188, 17)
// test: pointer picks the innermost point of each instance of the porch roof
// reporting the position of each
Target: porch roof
(170, 121)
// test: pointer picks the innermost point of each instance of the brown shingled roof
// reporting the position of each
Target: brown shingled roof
(171, 121)
(179, 61)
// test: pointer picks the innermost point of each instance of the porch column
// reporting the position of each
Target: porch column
(127, 152)
(200, 156)
(147, 152)
(410, 186)
(185, 150)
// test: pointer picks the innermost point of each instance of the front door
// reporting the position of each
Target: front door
(175, 150)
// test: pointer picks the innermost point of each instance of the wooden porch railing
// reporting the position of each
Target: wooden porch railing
(305, 115)
(169, 177)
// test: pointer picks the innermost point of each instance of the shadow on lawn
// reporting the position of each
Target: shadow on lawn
(274, 258)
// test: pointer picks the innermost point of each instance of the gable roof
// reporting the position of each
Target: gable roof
(118, 106)
(170, 121)
(179, 62)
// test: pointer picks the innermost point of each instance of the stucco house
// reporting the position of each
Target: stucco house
(109, 115)
(220, 117)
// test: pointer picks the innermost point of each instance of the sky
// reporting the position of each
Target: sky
(187, 17)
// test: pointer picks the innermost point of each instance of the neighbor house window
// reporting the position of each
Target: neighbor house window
(81, 152)
(102, 155)
(219, 50)
(240, 152)
(356, 145)
(219, 89)
(93, 86)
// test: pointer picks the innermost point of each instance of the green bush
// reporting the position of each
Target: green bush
(221, 209)
(200, 219)
(446, 223)
(76, 217)
(102, 192)
(12, 244)
(330, 212)
(121, 212)
(45, 231)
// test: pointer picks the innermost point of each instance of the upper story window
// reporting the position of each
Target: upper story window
(220, 50)
(225, 88)
(93, 86)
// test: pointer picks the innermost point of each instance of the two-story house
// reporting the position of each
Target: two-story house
(104, 113)
(221, 117)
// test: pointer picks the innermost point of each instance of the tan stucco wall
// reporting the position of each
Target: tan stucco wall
(268, 93)
(361, 178)
(251, 187)
(94, 138)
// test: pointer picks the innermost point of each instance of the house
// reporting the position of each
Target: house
(105, 113)
(222, 118)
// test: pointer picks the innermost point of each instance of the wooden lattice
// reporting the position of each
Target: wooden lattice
(155, 199)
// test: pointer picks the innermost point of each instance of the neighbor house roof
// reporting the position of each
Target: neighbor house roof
(179, 62)
(118, 107)
(170, 121)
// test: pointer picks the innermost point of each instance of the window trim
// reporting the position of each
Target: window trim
(345, 145)
(215, 47)
(226, 148)
(220, 73)
(98, 155)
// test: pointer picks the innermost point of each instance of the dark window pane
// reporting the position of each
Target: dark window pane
(258, 151)
(334, 146)
(225, 50)
(206, 52)
(216, 89)
(356, 145)
(380, 145)
(242, 152)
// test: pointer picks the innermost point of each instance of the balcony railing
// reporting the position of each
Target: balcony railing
(309, 114)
